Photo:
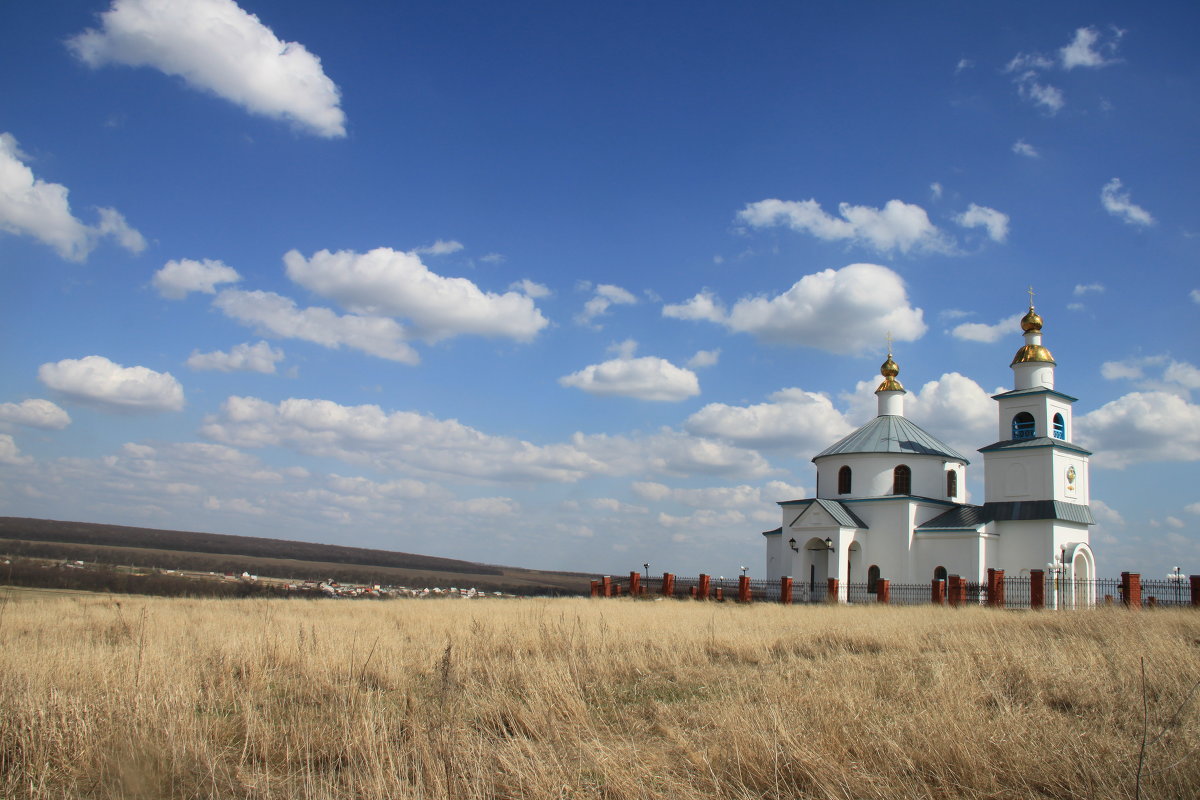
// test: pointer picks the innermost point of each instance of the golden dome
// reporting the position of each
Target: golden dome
(889, 370)
(1031, 321)
(1032, 352)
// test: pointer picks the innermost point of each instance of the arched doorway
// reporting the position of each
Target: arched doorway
(856, 576)
(814, 573)
(1081, 580)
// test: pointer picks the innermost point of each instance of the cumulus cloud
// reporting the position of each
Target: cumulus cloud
(30, 206)
(177, 278)
(1088, 50)
(441, 247)
(840, 311)
(417, 443)
(1117, 203)
(98, 381)
(720, 497)
(897, 226)
(275, 315)
(217, 47)
(246, 357)
(606, 295)
(530, 288)
(1140, 427)
(1170, 375)
(388, 282)
(704, 306)
(981, 332)
(1049, 97)
(994, 221)
(10, 453)
(704, 358)
(1024, 148)
(35, 413)
(645, 378)
(793, 419)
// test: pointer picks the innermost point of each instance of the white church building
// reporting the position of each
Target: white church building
(891, 498)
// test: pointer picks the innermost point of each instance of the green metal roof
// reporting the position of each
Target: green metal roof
(842, 515)
(1035, 390)
(889, 433)
(967, 517)
(1037, 441)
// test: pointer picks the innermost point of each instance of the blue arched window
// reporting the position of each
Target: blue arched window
(1060, 427)
(844, 477)
(1023, 426)
(902, 480)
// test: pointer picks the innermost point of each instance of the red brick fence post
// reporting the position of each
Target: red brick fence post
(785, 590)
(668, 587)
(1037, 589)
(635, 583)
(883, 591)
(938, 594)
(595, 588)
(1131, 589)
(831, 595)
(744, 595)
(702, 589)
(607, 586)
(995, 588)
(1195, 589)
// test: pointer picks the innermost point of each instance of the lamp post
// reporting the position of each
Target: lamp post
(647, 568)
(743, 568)
(792, 544)
(1177, 576)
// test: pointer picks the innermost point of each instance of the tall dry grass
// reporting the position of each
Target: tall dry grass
(162, 698)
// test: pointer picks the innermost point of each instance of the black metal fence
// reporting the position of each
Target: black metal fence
(1019, 592)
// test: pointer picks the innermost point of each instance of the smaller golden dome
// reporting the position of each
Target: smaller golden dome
(1032, 352)
(889, 370)
(1031, 321)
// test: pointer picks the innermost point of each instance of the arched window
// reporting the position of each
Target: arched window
(952, 483)
(1023, 426)
(939, 574)
(902, 480)
(1060, 427)
(872, 577)
(844, 480)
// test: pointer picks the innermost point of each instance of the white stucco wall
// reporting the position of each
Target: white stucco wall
(872, 474)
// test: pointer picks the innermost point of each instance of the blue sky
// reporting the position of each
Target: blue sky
(582, 286)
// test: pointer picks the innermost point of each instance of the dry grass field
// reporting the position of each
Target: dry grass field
(104, 697)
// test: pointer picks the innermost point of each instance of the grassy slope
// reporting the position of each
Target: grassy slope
(114, 544)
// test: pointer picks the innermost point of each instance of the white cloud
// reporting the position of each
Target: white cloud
(1105, 514)
(1129, 369)
(10, 453)
(1175, 522)
(935, 190)
(1117, 203)
(112, 223)
(841, 311)
(703, 306)
(99, 381)
(1042, 94)
(1195, 295)
(177, 278)
(275, 315)
(1082, 289)
(1177, 377)
(980, 332)
(217, 47)
(35, 413)
(963, 64)
(485, 507)
(793, 419)
(720, 497)
(493, 258)
(530, 288)
(704, 519)
(30, 206)
(1026, 61)
(606, 295)
(1024, 148)
(1183, 374)
(645, 378)
(1141, 426)
(388, 282)
(1192, 508)
(704, 358)
(441, 247)
(417, 443)
(994, 221)
(897, 226)
(1082, 52)
(246, 357)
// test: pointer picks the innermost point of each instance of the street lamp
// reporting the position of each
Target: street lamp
(792, 544)
(1177, 575)
(828, 543)
(744, 568)
(647, 568)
